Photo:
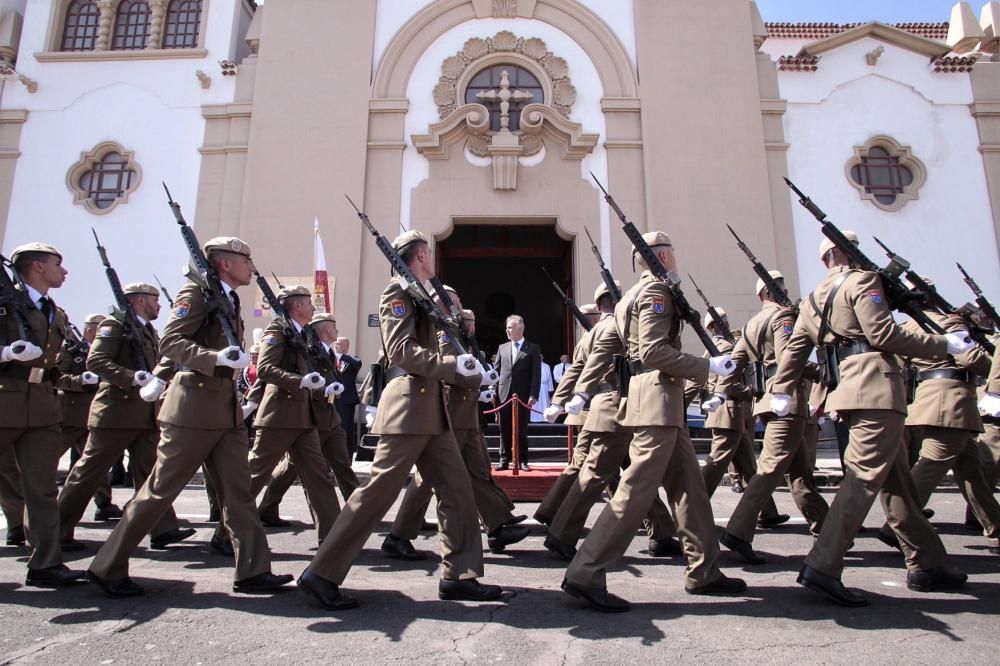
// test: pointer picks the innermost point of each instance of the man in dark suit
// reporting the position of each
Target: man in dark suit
(347, 402)
(519, 363)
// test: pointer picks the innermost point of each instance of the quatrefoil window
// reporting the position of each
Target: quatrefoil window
(104, 178)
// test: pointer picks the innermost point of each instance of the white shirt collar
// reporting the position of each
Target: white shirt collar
(141, 320)
(229, 290)
(297, 325)
(34, 294)
(518, 342)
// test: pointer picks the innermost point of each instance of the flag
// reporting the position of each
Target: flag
(322, 283)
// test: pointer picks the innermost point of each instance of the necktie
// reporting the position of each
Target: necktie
(46, 308)
(236, 302)
(517, 348)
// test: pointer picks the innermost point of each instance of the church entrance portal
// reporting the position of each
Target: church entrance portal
(497, 271)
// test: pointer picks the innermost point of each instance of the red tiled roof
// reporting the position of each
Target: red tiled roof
(806, 63)
(950, 64)
(937, 31)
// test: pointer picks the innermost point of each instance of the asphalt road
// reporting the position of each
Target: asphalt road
(190, 615)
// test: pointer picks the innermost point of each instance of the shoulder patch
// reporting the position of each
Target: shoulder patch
(104, 332)
(181, 309)
(659, 304)
(789, 326)
(270, 339)
(398, 307)
(444, 337)
(875, 295)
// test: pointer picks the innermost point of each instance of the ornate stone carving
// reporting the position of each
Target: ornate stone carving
(107, 9)
(504, 8)
(158, 11)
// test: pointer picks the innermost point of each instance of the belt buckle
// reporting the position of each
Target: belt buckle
(35, 375)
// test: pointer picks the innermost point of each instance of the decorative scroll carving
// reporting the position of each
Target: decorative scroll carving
(504, 8)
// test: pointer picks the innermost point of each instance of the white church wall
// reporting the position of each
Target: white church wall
(151, 107)
(845, 103)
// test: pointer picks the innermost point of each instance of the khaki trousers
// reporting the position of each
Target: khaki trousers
(492, 508)
(567, 479)
(876, 465)
(732, 447)
(11, 498)
(76, 439)
(607, 457)
(660, 456)
(181, 450)
(942, 449)
(104, 447)
(36, 453)
(333, 444)
(783, 457)
(988, 445)
(438, 459)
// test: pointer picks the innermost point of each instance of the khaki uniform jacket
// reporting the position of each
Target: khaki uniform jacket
(23, 404)
(202, 395)
(117, 403)
(873, 380)
(566, 388)
(599, 372)
(993, 381)
(948, 403)
(656, 398)
(280, 368)
(462, 402)
(732, 415)
(413, 404)
(74, 396)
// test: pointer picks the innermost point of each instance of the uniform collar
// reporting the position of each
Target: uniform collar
(33, 293)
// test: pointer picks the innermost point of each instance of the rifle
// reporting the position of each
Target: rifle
(14, 300)
(720, 323)
(609, 280)
(673, 282)
(206, 278)
(412, 286)
(74, 342)
(163, 290)
(984, 305)
(456, 315)
(123, 311)
(935, 300)
(574, 310)
(778, 294)
(295, 341)
(898, 296)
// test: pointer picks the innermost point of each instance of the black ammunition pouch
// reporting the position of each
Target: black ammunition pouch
(947, 373)
(758, 379)
(829, 361)
(378, 381)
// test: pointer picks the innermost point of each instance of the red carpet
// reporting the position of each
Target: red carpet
(528, 486)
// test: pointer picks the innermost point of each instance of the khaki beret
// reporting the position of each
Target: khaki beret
(293, 290)
(34, 247)
(655, 239)
(320, 317)
(828, 245)
(602, 290)
(140, 288)
(94, 319)
(708, 320)
(468, 315)
(407, 239)
(759, 285)
(227, 244)
(589, 309)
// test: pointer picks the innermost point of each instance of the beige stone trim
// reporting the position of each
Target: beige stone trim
(222, 150)
(139, 54)
(906, 159)
(87, 162)
(884, 32)
(401, 105)
(220, 111)
(621, 104)
(13, 116)
(11, 124)
(467, 120)
(543, 120)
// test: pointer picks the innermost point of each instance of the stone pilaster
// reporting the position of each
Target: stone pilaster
(158, 11)
(107, 7)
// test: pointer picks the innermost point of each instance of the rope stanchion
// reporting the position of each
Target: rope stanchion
(515, 427)
(569, 444)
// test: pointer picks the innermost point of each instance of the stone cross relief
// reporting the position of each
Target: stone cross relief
(504, 95)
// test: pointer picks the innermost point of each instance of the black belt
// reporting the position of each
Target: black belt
(992, 420)
(947, 373)
(393, 372)
(32, 375)
(852, 347)
(605, 387)
(225, 372)
(638, 369)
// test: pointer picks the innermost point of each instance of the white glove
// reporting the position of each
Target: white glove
(812, 409)
(722, 366)
(241, 361)
(490, 377)
(989, 404)
(88, 378)
(959, 342)
(152, 391)
(249, 408)
(576, 404)
(335, 388)
(465, 360)
(486, 396)
(781, 404)
(313, 380)
(370, 416)
(20, 350)
(713, 403)
(552, 412)
(141, 378)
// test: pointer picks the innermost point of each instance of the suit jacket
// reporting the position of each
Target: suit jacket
(117, 404)
(523, 376)
(24, 404)
(349, 378)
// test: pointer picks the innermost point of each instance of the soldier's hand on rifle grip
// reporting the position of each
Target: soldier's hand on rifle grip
(486, 396)
(141, 378)
(959, 342)
(781, 404)
(989, 404)
(335, 388)
(313, 380)
(721, 365)
(152, 391)
(20, 350)
(88, 378)
(232, 357)
(490, 377)
(468, 366)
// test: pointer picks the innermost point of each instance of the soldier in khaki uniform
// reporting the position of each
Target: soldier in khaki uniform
(848, 309)
(120, 420)
(597, 383)
(783, 456)
(200, 421)
(29, 412)
(332, 440)
(661, 452)
(989, 441)
(412, 424)
(943, 422)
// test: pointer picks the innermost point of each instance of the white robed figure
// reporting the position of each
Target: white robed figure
(544, 393)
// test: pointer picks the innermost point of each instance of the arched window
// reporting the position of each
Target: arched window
(80, 27)
(182, 24)
(131, 25)
(488, 81)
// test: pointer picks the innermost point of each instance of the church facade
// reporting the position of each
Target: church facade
(480, 122)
